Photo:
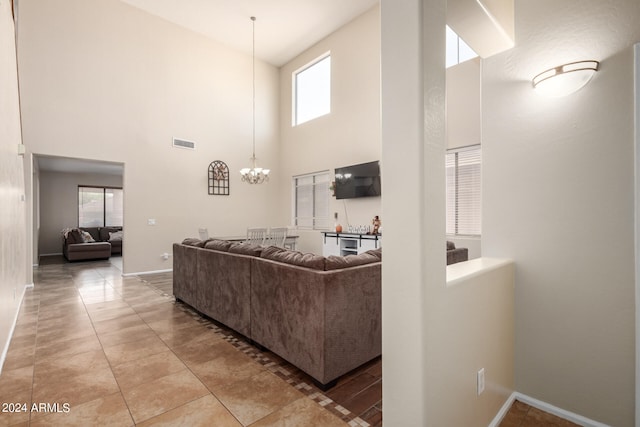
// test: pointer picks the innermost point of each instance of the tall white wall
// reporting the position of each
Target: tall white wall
(558, 198)
(103, 80)
(350, 134)
(59, 204)
(13, 236)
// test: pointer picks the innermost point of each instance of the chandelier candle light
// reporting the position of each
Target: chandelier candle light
(254, 174)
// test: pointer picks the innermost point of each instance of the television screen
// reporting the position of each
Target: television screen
(361, 180)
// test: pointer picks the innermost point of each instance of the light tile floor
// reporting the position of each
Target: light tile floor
(94, 348)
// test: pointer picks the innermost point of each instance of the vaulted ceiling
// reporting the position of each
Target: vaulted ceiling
(284, 28)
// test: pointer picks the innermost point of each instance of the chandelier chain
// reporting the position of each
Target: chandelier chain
(254, 174)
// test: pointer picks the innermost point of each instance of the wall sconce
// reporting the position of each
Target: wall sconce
(565, 79)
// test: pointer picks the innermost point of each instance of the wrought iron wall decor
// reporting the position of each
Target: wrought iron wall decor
(218, 178)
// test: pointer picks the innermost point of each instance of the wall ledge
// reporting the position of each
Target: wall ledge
(463, 271)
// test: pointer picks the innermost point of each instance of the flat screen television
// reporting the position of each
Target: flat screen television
(361, 180)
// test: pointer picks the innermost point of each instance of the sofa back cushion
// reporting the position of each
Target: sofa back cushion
(194, 241)
(245, 249)
(218, 245)
(337, 262)
(313, 261)
(376, 253)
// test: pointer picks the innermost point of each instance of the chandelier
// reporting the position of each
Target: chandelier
(254, 174)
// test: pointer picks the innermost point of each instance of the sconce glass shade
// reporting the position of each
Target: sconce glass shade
(565, 79)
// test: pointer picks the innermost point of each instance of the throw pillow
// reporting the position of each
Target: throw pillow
(116, 236)
(74, 236)
(86, 237)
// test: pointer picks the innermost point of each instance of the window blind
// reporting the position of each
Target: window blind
(311, 201)
(100, 206)
(463, 192)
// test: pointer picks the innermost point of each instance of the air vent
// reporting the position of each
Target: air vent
(182, 143)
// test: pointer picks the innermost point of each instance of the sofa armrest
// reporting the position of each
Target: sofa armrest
(457, 255)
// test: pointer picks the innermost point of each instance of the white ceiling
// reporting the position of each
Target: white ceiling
(284, 28)
(65, 164)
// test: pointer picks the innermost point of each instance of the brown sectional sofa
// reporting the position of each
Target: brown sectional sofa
(323, 315)
(74, 248)
(455, 255)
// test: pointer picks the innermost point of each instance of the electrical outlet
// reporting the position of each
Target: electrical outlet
(151, 221)
(165, 256)
(480, 381)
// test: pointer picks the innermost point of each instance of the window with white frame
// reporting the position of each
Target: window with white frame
(100, 207)
(311, 201)
(312, 90)
(457, 50)
(463, 167)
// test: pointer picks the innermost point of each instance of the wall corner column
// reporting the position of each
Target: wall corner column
(413, 202)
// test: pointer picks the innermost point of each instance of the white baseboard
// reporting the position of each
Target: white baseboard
(54, 254)
(5, 349)
(503, 411)
(142, 273)
(546, 407)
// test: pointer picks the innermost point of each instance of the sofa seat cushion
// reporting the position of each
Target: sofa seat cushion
(313, 261)
(337, 262)
(89, 247)
(218, 245)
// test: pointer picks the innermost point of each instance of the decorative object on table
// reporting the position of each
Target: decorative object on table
(254, 174)
(376, 225)
(337, 226)
(218, 178)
